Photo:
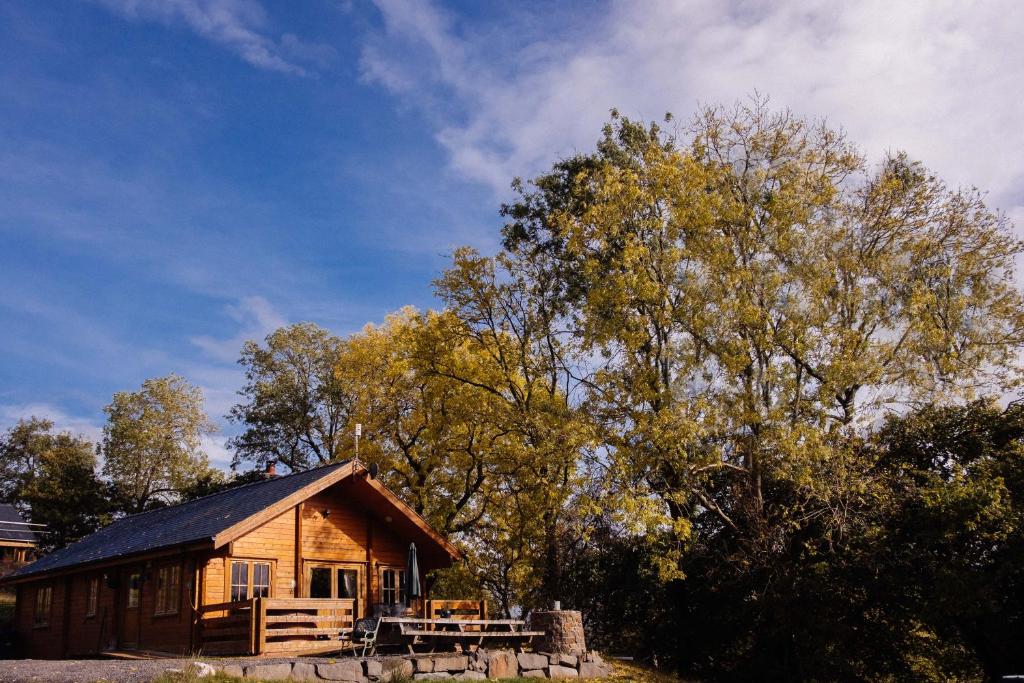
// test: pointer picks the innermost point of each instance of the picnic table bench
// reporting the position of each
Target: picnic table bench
(414, 631)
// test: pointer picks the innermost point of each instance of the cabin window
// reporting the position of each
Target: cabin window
(44, 598)
(320, 582)
(260, 580)
(246, 575)
(93, 597)
(392, 586)
(134, 590)
(348, 583)
(168, 589)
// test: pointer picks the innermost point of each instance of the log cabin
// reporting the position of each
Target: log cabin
(281, 566)
(17, 539)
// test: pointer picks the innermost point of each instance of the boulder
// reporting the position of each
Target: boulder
(432, 676)
(268, 672)
(374, 668)
(567, 660)
(471, 676)
(349, 670)
(396, 668)
(502, 664)
(529, 660)
(199, 670)
(556, 671)
(304, 671)
(594, 670)
(423, 665)
(452, 664)
(534, 673)
(233, 670)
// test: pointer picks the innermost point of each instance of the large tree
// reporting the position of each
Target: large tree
(294, 409)
(152, 443)
(749, 288)
(52, 477)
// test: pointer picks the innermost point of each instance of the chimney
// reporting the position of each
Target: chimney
(271, 469)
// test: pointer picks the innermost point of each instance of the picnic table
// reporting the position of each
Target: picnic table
(462, 633)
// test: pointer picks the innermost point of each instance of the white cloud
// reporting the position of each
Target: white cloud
(256, 318)
(239, 25)
(62, 421)
(217, 451)
(940, 80)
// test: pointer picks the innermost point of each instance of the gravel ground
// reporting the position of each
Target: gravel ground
(92, 670)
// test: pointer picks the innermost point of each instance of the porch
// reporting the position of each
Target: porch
(300, 626)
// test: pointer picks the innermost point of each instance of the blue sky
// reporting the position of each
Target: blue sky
(177, 176)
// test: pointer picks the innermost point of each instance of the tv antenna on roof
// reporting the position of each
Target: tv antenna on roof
(359, 432)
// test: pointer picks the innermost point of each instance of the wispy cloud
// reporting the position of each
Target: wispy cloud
(62, 421)
(239, 25)
(256, 318)
(936, 79)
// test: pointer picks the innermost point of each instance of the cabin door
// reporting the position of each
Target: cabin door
(131, 605)
(337, 580)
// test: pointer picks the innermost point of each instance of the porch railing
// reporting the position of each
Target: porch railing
(275, 625)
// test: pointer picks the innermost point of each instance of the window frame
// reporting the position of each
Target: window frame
(92, 596)
(250, 586)
(41, 616)
(168, 590)
(134, 596)
(398, 590)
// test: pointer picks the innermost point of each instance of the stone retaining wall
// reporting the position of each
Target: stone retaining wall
(479, 665)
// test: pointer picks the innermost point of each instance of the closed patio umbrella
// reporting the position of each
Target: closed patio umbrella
(412, 576)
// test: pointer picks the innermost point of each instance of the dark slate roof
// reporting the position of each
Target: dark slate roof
(12, 527)
(197, 520)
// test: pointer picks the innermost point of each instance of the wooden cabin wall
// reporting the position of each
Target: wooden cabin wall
(82, 634)
(41, 642)
(349, 533)
(90, 634)
(166, 632)
(274, 541)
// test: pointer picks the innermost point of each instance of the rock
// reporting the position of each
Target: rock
(199, 670)
(234, 670)
(268, 672)
(374, 668)
(396, 668)
(502, 664)
(304, 671)
(452, 664)
(567, 660)
(423, 665)
(535, 673)
(529, 660)
(594, 670)
(471, 676)
(433, 676)
(342, 671)
(556, 671)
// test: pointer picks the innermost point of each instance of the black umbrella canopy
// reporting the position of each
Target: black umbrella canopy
(412, 575)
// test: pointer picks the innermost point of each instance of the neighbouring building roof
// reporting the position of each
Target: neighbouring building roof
(12, 526)
(196, 520)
